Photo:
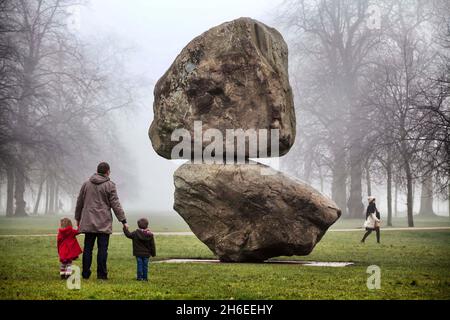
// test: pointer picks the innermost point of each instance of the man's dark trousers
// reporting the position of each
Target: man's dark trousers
(102, 254)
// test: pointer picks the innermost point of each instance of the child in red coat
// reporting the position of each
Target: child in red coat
(68, 247)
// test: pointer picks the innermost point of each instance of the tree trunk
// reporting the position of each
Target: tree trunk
(51, 198)
(38, 199)
(321, 179)
(339, 183)
(426, 197)
(20, 191)
(56, 205)
(10, 191)
(1, 196)
(368, 180)
(409, 197)
(396, 200)
(355, 205)
(73, 203)
(389, 192)
(47, 197)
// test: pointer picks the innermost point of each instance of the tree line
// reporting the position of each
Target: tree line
(371, 82)
(57, 94)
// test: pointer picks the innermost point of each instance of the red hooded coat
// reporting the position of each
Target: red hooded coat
(68, 247)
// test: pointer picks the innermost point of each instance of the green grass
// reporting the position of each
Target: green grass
(414, 265)
(161, 222)
(49, 224)
(419, 221)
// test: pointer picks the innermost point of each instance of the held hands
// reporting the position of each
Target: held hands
(125, 226)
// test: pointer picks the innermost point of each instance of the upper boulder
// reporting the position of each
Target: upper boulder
(233, 76)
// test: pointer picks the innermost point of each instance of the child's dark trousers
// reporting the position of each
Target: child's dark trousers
(142, 268)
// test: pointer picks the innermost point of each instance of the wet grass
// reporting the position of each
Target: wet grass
(49, 224)
(165, 222)
(414, 265)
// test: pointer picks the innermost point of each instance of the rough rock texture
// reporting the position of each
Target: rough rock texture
(232, 76)
(242, 215)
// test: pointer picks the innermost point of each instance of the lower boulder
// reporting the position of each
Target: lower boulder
(250, 212)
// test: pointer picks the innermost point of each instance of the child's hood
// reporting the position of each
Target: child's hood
(65, 232)
(144, 234)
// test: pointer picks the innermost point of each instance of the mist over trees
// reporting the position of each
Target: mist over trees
(371, 83)
(57, 94)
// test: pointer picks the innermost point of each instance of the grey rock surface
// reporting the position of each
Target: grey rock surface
(233, 76)
(243, 216)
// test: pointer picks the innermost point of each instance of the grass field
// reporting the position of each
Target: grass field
(414, 265)
(49, 224)
(173, 222)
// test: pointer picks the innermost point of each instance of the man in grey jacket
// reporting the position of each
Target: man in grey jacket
(97, 197)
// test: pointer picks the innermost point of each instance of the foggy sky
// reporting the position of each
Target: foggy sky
(157, 31)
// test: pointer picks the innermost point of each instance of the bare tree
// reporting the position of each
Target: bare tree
(404, 65)
(332, 39)
(371, 99)
(58, 95)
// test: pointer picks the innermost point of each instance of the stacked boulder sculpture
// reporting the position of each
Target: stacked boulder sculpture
(234, 77)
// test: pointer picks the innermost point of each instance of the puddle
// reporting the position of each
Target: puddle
(299, 262)
(314, 263)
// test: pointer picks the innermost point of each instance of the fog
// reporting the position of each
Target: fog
(156, 32)
(370, 81)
